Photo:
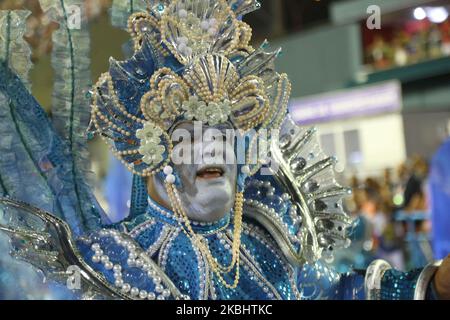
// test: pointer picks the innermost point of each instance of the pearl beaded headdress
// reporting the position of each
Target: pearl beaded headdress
(192, 61)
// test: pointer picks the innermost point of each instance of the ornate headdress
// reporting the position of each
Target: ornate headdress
(193, 61)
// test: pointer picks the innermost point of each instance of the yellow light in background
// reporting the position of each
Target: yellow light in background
(398, 199)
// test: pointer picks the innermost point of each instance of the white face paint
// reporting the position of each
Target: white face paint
(208, 176)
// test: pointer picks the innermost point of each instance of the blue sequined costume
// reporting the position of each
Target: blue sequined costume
(265, 272)
(292, 221)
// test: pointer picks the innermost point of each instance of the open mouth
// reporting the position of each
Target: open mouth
(210, 173)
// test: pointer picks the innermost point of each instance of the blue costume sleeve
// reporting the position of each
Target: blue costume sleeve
(351, 286)
(395, 285)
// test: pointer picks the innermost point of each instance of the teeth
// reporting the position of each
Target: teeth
(213, 170)
(210, 171)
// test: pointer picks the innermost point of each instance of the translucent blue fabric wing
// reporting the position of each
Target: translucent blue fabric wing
(70, 103)
(13, 47)
(36, 165)
(122, 9)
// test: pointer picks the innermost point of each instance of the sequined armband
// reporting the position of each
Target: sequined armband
(384, 283)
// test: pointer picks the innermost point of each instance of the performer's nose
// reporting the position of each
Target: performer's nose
(213, 152)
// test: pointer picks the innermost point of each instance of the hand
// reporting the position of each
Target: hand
(442, 279)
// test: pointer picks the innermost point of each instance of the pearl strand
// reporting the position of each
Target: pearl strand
(136, 258)
(199, 242)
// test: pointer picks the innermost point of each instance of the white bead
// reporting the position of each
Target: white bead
(285, 196)
(157, 280)
(182, 13)
(139, 263)
(118, 283)
(170, 179)
(347, 243)
(99, 252)
(212, 22)
(132, 255)
(130, 262)
(181, 40)
(95, 247)
(134, 291)
(205, 25)
(182, 48)
(108, 265)
(143, 255)
(96, 259)
(168, 170)
(245, 170)
(159, 288)
(104, 259)
(166, 293)
(126, 287)
(143, 294)
(151, 296)
(117, 268)
(329, 259)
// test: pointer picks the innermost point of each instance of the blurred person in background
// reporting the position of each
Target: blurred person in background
(413, 215)
(390, 241)
(400, 185)
(376, 210)
(371, 210)
(414, 195)
(439, 188)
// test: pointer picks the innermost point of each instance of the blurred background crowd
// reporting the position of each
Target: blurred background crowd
(380, 98)
(392, 218)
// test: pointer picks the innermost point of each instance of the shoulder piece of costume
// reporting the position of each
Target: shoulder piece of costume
(300, 202)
